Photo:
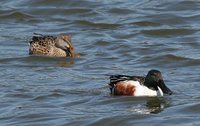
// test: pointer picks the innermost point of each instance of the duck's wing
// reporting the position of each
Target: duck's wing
(42, 38)
(114, 79)
(117, 78)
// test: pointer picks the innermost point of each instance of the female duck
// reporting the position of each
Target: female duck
(56, 46)
(151, 85)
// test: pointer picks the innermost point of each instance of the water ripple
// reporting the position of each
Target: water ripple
(113, 37)
(169, 32)
(97, 25)
(16, 15)
(146, 23)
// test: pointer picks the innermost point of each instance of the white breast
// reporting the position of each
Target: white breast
(141, 90)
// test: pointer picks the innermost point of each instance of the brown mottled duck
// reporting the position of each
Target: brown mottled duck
(54, 46)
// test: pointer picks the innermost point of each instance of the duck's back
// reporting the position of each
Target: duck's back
(131, 86)
(45, 45)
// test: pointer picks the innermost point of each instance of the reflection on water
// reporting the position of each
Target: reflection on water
(113, 37)
(156, 105)
(65, 63)
(152, 105)
(33, 61)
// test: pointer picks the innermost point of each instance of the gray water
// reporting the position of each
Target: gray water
(113, 37)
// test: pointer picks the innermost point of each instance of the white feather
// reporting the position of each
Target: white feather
(141, 90)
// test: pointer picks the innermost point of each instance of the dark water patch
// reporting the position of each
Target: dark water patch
(120, 11)
(191, 108)
(97, 25)
(146, 23)
(61, 3)
(167, 19)
(102, 43)
(15, 15)
(61, 13)
(77, 10)
(184, 5)
(170, 60)
(171, 57)
(195, 62)
(168, 32)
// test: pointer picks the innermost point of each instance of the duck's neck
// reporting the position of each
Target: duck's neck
(150, 85)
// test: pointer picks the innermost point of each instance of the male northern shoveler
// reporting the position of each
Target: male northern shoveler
(151, 85)
(57, 46)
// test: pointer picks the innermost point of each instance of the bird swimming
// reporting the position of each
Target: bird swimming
(54, 46)
(151, 85)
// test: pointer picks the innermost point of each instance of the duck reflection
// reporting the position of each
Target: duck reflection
(153, 105)
(65, 63)
(156, 105)
(50, 61)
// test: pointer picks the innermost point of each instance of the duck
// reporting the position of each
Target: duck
(54, 46)
(150, 85)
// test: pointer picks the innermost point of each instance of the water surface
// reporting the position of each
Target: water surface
(113, 37)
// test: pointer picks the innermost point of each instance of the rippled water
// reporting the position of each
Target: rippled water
(113, 37)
